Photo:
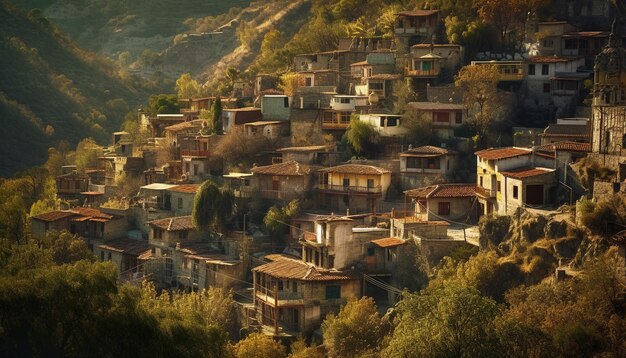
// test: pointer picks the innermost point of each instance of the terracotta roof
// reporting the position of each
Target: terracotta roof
(184, 125)
(291, 168)
(126, 246)
(434, 45)
(418, 13)
(427, 150)
(549, 59)
(385, 76)
(178, 223)
(186, 188)
(586, 34)
(54, 215)
(291, 268)
(356, 169)
(566, 146)
(435, 106)
(200, 251)
(310, 148)
(262, 123)
(443, 191)
(502, 153)
(526, 172)
(388, 242)
(91, 213)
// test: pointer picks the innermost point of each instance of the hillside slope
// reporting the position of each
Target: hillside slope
(50, 90)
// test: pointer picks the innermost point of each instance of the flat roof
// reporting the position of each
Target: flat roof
(237, 175)
(158, 186)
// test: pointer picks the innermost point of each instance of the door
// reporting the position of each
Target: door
(534, 194)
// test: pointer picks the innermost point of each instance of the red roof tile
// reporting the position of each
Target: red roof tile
(291, 268)
(178, 223)
(502, 153)
(388, 242)
(310, 148)
(185, 188)
(566, 146)
(126, 246)
(526, 172)
(356, 169)
(427, 150)
(291, 168)
(443, 191)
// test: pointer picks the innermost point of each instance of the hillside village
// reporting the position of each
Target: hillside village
(325, 179)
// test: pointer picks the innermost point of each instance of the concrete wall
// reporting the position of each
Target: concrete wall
(273, 108)
(181, 203)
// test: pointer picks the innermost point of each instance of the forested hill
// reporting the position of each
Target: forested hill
(51, 90)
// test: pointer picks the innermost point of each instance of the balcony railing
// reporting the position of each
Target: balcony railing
(284, 297)
(421, 73)
(334, 124)
(486, 193)
(351, 188)
(194, 153)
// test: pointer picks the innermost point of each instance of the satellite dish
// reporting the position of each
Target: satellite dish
(373, 98)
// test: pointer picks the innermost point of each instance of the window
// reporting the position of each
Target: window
(308, 82)
(444, 208)
(515, 191)
(345, 117)
(196, 169)
(571, 44)
(392, 121)
(624, 141)
(499, 186)
(422, 205)
(441, 117)
(370, 251)
(433, 163)
(427, 66)
(280, 285)
(286, 102)
(548, 43)
(481, 181)
(376, 85)
(180, 203)
(317, 258)
(346, 182)
(531, 69)
(545, 69)
(182, 235)
(77, 184)
(344, 100)
(414, 163)
(370, 183)
(458, 117)
(389, 255)
(109, 256)
(101, 255)
(333, 292)
(546, 87)
(294, 286)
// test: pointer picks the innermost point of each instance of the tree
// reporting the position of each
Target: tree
(357, 330)
(411, 269)
(187, 87)
(299, 349)
(259, 345)
(211, 206)
(163, 103)
(289, 83)
(449, 321)
(238, 150)
(361, 136)
(419, 129)
(277, 218)
(66, 248)
(216, 116)
(87, 154)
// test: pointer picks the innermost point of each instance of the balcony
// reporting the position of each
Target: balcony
(351, 189)
(421, 73)
(194, 153)
(284, 297)
(335, 124)
(486, 193)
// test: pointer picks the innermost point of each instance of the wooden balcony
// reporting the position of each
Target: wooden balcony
(421, 73)
(194, 153)
(351, 189)
(285, 298)
(486, 193)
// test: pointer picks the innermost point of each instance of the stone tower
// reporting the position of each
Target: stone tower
(608, 137)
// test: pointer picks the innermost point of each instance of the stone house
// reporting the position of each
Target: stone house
(444, 117)
(355, 187)
(294, 296)
(387, 125)
(71, 184)
(337, 117)
(567, 129)
(239, 116)
(126, 253)
(450, 58)
(512, 177)
(454, 202)
(199, 266)
(382, 254)
(283, 181)
(418, 26)
(269, 129)
(181, 198)
(426, 163)
(324, 155)
(276, 107)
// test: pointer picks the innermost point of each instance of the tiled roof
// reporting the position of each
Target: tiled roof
(126, 246)
(388, 242)
(418, 13)
(291, 168)
(178, 223)
(91, 213)
(443, 191)
(356, 169)
(291, 268)
(263, 123)
(566, 146)
(54, 215)
(200, 251)
(184, 125)
(434, 45)
(586, 34)
(502, 153)
(526, 172)
(310, 148)
(435, 106)
(185, 188)
(427, 150)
